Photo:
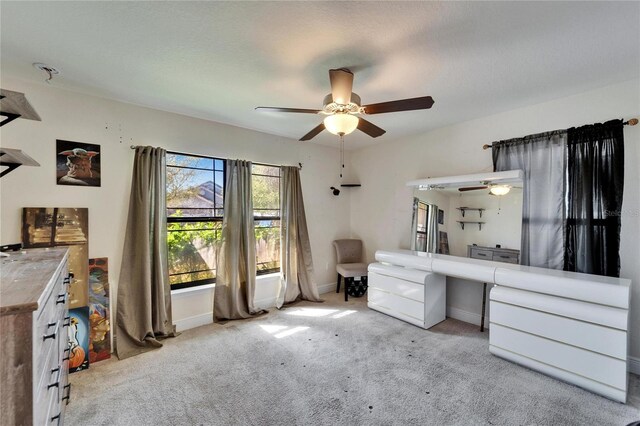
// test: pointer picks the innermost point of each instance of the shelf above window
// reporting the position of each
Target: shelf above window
(464, 209)
(462, 223)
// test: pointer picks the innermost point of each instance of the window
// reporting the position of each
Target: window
(421, 227)
(265, 185)
(195, 199)
(195, 202)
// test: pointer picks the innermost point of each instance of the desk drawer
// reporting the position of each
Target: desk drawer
(408, 289)
(396, 303)
(477, 253)
(505, 257)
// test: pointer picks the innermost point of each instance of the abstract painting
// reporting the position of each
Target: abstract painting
(100, 328)
(78, 339)
(77, 163)
(51, 227)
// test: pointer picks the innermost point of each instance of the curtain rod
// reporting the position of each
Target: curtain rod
(630, 122)
(200, 155)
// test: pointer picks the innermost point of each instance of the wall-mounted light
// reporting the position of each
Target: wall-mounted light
(341, 123)
(335, 191)
(500, 189)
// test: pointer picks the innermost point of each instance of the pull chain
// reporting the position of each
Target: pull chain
(341, 155)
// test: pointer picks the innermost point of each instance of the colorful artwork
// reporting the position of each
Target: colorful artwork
(51, 227)
(100, 333)
(77, 163)
(78, 339)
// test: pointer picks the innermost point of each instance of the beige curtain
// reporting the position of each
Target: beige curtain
(144, 293)
(295, 250)
(236, 263)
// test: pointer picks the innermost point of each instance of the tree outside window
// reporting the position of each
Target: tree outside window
(195, 202)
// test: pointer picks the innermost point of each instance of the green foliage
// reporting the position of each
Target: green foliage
(187, 242)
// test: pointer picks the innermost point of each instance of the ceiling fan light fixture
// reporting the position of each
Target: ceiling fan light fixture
(341, 123)
(500, 189)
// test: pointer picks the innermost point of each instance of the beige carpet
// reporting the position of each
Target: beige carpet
(332, 364)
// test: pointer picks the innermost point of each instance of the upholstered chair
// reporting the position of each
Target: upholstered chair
(349, 262)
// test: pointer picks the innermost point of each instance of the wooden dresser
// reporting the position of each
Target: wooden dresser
(34, 317)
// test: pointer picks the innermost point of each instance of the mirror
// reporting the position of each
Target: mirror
(464, 216)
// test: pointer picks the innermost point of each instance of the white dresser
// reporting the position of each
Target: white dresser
(34, 337)
(574, 327)
(570, 326)
(417, 297)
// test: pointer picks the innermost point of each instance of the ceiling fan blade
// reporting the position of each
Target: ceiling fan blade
(370, 128)
(472, 188)
(278, 109)
(313, 133)
(341, 85)
(424, 102)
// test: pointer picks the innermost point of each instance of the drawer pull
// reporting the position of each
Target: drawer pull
(66, 322)
(55, 384)
(68, 352)
(68, 396)
(56, 417)
(62, 298)
(481, 254)
(68, 278)
(505, 257)
(50, 336)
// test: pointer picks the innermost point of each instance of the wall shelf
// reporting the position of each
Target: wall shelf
(464, 209)
(350, 185)
(462, 222)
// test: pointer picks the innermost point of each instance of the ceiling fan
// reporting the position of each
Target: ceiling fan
(342, 108)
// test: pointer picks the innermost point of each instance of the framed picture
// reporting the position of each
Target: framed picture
(441, 217)
(58, 226)
(78, 339)
(100, 329)
(443, 243)
(77, 163)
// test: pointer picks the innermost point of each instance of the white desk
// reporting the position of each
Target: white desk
(571, 326)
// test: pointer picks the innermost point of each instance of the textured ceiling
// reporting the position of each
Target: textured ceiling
(218, 60)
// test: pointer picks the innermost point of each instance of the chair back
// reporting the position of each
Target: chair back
(348, 251)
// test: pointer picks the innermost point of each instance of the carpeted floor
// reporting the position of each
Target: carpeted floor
(332, 364)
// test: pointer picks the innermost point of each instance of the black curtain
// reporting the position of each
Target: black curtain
(595, 180)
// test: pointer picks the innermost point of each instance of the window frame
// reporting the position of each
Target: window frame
(271, 218)
(194, 219)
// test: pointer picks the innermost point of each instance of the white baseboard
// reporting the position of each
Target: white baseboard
(327, 288)
(194, 321)
(466, 316)
(634, 365)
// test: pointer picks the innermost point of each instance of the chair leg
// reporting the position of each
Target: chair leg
(338, 288)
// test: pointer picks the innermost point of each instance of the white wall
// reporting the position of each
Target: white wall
(115, 126)
(381, 210)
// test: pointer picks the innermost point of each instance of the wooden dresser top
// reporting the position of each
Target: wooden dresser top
(25, 275)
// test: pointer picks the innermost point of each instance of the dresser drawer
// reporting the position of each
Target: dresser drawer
(477, 253)
(48, 387)
(505, 257)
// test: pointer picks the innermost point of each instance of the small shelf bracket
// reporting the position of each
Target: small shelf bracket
(462, 223)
